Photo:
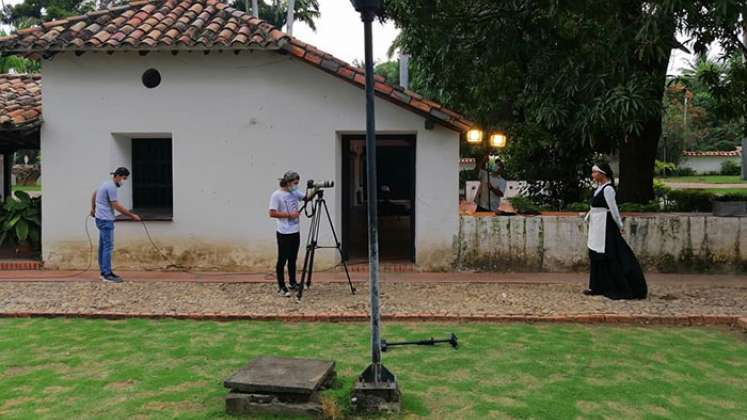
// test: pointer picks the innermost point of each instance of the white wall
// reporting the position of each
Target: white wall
(237, 123)
(706, 164)
(663, 242)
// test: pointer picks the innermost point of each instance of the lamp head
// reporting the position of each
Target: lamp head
(474, 135)
(368, 6)
(498, 140)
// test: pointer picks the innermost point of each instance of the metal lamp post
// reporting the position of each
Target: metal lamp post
(376, 388)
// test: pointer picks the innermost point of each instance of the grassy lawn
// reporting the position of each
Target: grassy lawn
(705, 179)
(26, 188)
(55, 368)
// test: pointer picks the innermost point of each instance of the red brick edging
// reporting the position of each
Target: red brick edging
(677, 320)
(22, 265)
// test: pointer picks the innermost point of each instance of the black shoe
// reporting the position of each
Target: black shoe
(110, 278)
(116, 276)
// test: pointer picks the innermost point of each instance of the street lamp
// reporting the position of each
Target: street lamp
(498, 140)
(474, 136)
(376, 388)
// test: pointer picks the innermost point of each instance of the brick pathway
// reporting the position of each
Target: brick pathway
(674, 299)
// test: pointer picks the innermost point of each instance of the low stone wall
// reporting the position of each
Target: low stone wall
(662, 242)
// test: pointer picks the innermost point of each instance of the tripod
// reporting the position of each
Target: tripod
(312, 244)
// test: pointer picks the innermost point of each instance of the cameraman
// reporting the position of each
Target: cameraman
(284, 206)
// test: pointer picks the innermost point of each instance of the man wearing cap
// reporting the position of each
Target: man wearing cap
(284, 208)
(103, 204)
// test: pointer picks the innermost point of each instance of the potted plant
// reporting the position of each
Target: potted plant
(20, 223)
(730, 205)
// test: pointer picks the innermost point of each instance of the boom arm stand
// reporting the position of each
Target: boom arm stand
(432, 342)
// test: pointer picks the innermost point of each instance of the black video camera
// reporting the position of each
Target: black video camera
(310, 184)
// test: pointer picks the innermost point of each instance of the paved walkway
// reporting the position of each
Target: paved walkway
(418, 295)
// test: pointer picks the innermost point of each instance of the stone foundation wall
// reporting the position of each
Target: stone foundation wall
(662, 242)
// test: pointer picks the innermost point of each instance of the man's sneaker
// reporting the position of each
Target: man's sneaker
(284, 292)
(115, 276)
(110, 278)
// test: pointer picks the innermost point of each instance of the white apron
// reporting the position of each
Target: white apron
(597, 218)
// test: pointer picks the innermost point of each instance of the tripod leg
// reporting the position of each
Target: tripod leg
(315, 242)
(339, 248)
(308, 256)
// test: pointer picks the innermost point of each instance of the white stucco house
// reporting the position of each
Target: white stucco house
(208, 106)
(709, 162)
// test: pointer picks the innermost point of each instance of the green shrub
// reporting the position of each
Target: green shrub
(524, 205)
(731, 197)
(683, 172)
(690, 201)
(731, 168)
(651, 207)
(20, 222)
(664, 168)
(578, 207)
(660, 189)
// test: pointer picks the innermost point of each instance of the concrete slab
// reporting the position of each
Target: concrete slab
(274, 375)
(238, 404)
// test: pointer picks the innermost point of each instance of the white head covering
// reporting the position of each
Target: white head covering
(596, 168)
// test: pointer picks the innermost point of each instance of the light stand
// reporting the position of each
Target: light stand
(376, 388)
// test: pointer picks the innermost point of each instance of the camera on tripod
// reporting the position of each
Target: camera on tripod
(318, 206)
(310, 184)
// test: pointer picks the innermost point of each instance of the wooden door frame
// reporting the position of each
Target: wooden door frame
(347, 193)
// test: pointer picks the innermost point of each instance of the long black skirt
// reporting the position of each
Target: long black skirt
(616, 273)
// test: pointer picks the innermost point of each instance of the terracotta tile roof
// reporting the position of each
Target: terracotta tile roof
(732, 153)
(394, 94)
(149, 25)
(174, 25)
(20, 101)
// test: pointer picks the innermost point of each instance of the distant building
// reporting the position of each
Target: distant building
(709, 162)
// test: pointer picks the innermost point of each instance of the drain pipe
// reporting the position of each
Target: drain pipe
(291, 16)
(255, 7)
(404, 70)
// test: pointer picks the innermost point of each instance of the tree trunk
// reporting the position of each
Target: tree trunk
(638, 151)
(637, 161)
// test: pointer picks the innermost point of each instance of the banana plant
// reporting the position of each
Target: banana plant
(20, 222)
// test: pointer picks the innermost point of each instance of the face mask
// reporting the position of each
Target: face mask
(293, 188)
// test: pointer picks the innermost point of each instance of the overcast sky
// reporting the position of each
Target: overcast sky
(340, 33)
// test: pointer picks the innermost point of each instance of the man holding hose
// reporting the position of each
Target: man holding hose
(103, 204)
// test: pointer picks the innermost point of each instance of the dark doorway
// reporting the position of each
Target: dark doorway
(152, 177)
(396, 178)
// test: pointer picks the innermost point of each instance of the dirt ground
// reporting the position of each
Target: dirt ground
(455, 294)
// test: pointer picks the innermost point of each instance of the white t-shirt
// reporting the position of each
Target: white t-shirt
(492, 201)
(286, 201)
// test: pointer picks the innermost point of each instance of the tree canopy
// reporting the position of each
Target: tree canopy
(276, 11)
(588, 72)
(696, 114)
(33, 12)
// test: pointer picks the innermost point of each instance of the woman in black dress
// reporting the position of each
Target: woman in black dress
(615, 271)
